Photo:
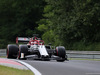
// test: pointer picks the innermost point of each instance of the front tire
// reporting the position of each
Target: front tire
(61, 53)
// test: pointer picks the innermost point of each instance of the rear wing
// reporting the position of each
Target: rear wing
(22, 39)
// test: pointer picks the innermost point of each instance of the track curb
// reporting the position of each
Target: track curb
(35, 71)
(11, 61)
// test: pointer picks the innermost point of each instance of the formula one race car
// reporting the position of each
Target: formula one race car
(35, 49)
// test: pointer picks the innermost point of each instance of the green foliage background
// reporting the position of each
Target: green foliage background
(18, 18)
(72, 23)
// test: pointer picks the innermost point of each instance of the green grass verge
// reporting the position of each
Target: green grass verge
(12, 71)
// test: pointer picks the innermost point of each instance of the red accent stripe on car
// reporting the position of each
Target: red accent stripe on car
(57, 51)
(17, 40)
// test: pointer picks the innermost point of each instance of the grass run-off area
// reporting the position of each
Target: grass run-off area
(12, 71)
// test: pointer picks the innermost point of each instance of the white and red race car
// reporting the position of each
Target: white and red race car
(35, 49)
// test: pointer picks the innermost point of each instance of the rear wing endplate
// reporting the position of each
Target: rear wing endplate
(22, 39)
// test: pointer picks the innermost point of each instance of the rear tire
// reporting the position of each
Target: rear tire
(22, 49)
(12, 51)
(61, 52)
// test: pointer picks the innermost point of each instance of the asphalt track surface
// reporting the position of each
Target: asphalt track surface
(72, 67)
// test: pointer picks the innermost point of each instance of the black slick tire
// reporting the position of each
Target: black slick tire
(12, 51)
(61, 53)
(22, 49)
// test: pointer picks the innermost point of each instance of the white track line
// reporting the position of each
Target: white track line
(35, 71)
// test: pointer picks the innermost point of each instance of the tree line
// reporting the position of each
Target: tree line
(71, 23)
(18, 18)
